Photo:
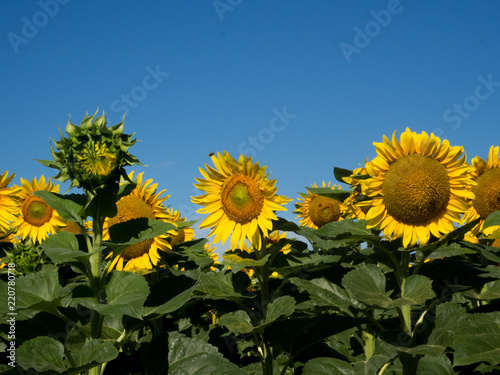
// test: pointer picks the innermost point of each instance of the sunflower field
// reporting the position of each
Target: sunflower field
(393, 269)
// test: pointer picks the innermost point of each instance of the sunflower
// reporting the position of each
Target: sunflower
(417, 187)
(35, 218)
(8, 205)
(486, 191)
(318, 210)
(142, 202)
(180, 235)
(240, 200)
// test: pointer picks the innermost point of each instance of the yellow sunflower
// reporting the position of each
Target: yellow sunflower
(240, 200)
(180, 235)
(318, 210)
(142, 202)
(418, 187)
(35, 218)
(211, 251)
(486, 191)
(8, 206)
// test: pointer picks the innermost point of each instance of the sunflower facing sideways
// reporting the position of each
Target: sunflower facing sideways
(417, 186)
(7, 202)
(142, 202)
(486, 174)
(318, 210)
(240, 200)
(35, 218)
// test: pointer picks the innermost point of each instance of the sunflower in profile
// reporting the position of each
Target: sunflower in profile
(142, 202)
(486, 174)
(240, 199)
(8, 205)
(417, 186)
(318, 210)
(35, 218)
(179, 235)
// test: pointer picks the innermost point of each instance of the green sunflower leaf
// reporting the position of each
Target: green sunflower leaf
(195, 357)
(216, 285)
(42, 354)
(97, 351)
(237, 263)
(63, 247)
(70, 207)
(341, 173)
(281, 306)
(237, 322)
(337, 194)
(126, 293)
(417, 290)
(440, 365)
(327, 366)
(367, 285)
(133, 231)
(324, 292)
(478, 339)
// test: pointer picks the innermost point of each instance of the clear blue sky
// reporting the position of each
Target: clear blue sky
(196, 77)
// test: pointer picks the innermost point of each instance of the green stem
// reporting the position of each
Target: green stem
(369, 341)
(265, 348)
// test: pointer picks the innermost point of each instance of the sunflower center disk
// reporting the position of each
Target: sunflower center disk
(324, 210)
(416, 189)
(132, 207)
(36, 212)
(242, 199)
(487, 192)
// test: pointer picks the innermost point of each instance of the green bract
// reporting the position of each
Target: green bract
(93, 154)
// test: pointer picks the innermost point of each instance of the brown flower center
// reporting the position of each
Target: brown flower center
(36, 212)
(416, 189)
(241, 198)
(324, 210)
(487, 192)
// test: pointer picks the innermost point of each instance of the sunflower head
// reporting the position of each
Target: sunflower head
(92, 154)
(417, 187)
(486, 190)
(240, 200)
(317, 210)
(8, 205)
(144, 202)
(27, 257)
(35, 218)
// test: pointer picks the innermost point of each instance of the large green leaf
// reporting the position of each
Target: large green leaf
(489, 291)
(237, 263)
(337, 194)
(169, 294)
(126, 294)
(449, 317)
(97, 351)
(440, 365)
(281, 306)
(70, 207)
(478, 339)
(133, 231)
(417, 289)
(63, 247)
(38, 291)
(237, 322)
(195, 357)
(324, 292)
(327, 366)
(42, 354)
(367, 285)
(218, 285)
(371, 366)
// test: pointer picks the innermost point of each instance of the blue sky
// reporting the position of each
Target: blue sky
(300, 85)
